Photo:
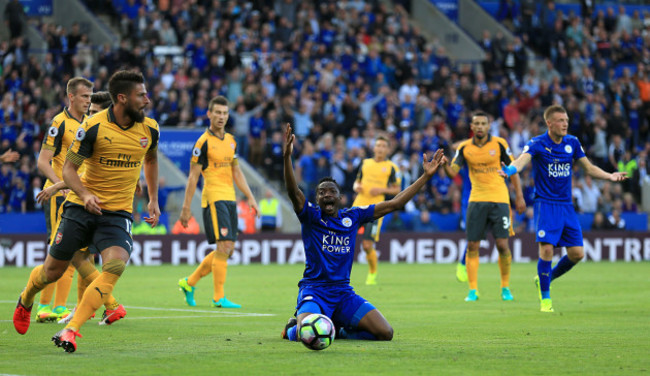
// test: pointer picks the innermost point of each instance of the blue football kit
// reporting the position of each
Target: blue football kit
(329, 244)
(556, 221)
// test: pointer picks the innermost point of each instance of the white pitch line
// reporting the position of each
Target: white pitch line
(213, 312)
(158, 318)
(200, 311)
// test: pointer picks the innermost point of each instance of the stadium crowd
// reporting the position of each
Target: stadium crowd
(341, 72)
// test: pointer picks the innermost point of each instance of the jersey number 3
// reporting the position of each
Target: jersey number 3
(506, 222)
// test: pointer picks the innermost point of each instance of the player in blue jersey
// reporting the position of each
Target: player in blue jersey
(329, 233)
(553, 154)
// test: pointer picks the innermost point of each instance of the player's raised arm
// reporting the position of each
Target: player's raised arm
(295, 194)
(516, 166)
(430, 167)
(598, 173)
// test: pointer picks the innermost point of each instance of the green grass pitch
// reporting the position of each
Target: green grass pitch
(601, 326)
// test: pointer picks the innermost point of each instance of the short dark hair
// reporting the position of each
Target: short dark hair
(75, 82)
(122, 82)
(329, 179)
(219, 99)
(102, 99)
(553, 109)
(480, 113)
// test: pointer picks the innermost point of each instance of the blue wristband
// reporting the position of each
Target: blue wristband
(510, 170)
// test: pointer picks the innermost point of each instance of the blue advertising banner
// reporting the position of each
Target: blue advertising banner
(448, 7)
(37, 7)
(177, 145)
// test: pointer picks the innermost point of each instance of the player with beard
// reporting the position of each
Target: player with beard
(489, 200)
(114, 146)
(329, 234)
(83, 260)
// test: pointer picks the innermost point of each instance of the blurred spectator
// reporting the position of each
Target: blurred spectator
(15, 18)
(245, 216)
(270, 219)
(628, 206)
(423, 222)
(614, 220)
(599, 222)
(590, 195)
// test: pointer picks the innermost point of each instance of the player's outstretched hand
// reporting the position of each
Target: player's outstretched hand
(289, 137)
(618, 176)
(431, 166)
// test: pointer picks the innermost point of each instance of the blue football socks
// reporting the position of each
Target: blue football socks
(544, 273)
(462, 259)
(291, 333)
(563, 266)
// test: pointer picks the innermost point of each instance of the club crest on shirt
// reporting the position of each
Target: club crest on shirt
(347, 222)
(53, 131)
(59, 236)
(224, 231)
(568, 149)
(144, 142)
(232, 146)
(492, 153)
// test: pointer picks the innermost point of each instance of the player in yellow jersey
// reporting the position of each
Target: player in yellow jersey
(114, 146)
(83, 260)
(215, 157)
(50, 161)
(377, 178)
(489, 199)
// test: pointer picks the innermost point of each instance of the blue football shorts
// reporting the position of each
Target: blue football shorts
(557, 224)
(340, 303)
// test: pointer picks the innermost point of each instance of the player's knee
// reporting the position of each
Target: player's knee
(385, 333)
(53, 274)
(115, 266)
(576, 255)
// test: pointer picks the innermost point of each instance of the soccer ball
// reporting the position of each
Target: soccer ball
(317, 332)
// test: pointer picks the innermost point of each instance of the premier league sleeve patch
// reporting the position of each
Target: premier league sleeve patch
(81, 134)
(196, 152)
(53, 131)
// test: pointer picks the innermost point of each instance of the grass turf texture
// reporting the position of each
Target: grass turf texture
(600, 325)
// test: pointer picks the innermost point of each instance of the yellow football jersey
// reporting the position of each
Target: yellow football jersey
(113, 157)
(59, 137)
(483, 164)
(216, 157)
(373, 174)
